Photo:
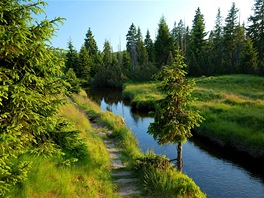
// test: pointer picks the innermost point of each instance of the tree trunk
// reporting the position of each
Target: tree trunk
(179, 157)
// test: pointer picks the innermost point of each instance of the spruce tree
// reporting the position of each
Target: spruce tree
(142, 56)
(132, 44)
(107, 54)
(31, 87)
(163, 44)
(217, 41)
(256, 31)
(174, 119)
(72, 59)
(229, 38)
(92, 49)
(197, 45)
(149, 47)
(84, 65)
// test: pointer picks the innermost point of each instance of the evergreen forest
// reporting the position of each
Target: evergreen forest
(229, 48)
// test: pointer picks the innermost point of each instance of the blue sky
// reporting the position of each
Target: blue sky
(110, 20)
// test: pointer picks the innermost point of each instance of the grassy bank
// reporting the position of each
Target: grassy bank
(233, 108)
(89, 177)
(154, 180)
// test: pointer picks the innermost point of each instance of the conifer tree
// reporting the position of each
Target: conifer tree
(149, 47)
(197, 45)
(132, 44)
(229, 46)
(107, 54)
(92, 49)
(142, 56)
(256, 31)
(217, 41)
(173, 119)
(84, 65)
(30, 87)
(72, 59)
(163, 44)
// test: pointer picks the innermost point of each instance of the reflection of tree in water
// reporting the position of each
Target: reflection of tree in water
(110, 95)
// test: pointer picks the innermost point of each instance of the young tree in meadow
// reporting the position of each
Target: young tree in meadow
(256, 31)
(163, 44)
(174, 119)
(31, 88)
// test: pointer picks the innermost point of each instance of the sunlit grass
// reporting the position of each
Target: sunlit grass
(89, 177)
(178, 183)
(232, 105)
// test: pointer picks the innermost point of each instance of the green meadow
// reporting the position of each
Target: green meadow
(232, 105)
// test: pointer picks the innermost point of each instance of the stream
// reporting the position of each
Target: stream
(219, 172)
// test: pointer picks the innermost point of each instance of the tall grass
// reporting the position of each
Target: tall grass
(156, 182)
(232, 105)
(89, 177)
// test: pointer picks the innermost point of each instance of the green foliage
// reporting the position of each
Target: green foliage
(72, 59)
(149, 47)
(30, 84)
(196, 47)
(173, 120)
(84, 66)
(256, 28)
(163, 44)
(160, 179)
(71, 78)
(66, 177)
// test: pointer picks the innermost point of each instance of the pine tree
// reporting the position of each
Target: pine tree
(249, 58)
(163, 44)
(142, 56)
(72, 59)
(92, 49)
(173, 119)
(229, 46)
(256, 30)
(178, 34)
(107, 54)
(30, 87)
(149, 47)
(217, 42)
(84, 65)
(90, 43)
(197, 45)
(131, 45)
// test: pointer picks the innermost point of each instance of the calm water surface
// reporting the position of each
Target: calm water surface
(218, 173)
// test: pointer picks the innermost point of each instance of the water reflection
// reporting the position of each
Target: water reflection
(219, 172)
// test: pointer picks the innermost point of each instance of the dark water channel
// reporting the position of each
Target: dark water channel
(218, 172)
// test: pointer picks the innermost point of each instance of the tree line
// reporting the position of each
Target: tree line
(230, 48)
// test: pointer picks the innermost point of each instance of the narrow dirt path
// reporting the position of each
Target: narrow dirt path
(122, 177)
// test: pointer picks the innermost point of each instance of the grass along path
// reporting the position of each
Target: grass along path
(128, 162)
(123, 178)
